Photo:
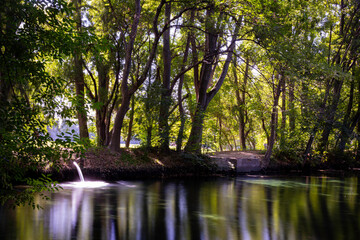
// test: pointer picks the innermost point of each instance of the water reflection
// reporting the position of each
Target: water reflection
(240, 208)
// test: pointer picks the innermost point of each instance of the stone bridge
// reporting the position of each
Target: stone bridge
(238, 161)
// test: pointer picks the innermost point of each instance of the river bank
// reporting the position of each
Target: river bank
(140, 163)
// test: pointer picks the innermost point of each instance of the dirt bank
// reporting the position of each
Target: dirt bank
(102, 164)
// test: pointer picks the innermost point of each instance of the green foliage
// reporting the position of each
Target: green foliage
(288, 156)
(149, 113)
(32, 33)
(27, 148)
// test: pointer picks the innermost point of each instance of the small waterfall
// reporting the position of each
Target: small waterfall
(79, 172)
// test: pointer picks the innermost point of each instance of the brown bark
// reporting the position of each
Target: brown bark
(291, 105)
(349, 123)
(273, 122)
(164, 129)
(330, 113)
(204, 97)
(349, 32)
(79, 80)
(127, 91)
(330, 110)
(125, 101)
(181, 108)
(102, 101)
(195, 58)
(240, 92)
(357, 157)
(220, 133)
(283, 115)
(129, 135)
(316, 127)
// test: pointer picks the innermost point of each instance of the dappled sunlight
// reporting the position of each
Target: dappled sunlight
(157, 161)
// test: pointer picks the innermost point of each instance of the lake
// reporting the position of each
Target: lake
(253, 207)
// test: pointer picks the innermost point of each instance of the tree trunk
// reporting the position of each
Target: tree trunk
(291, 106)
(127, 92)
(273, 123)
(118, 123)
(357, 157)
(220, 133)
(316, 127)
(204, 97)
(148, 136)
(129, 135)
(349, 32)
(164, 129)
(194, 141)
(4, 89)
(79, 80)
(330, 116)
(100, 127)
(265, 130)
(243, 105)
(180, 136)
(195, 58)
(102, 101)
(349, 123)
(240, 92)
(283, 116)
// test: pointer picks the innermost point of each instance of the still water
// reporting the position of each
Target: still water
(218, 208)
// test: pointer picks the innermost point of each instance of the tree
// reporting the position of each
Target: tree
(273, 122)
(241, 100)
(213, 28)
(341, 59)
(104, 53)
(31, 34)
(126, 90)
(166, 80)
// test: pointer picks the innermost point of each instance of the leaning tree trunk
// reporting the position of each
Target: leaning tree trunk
(125, 94)
(346, 57)
(350, 123)
(118, 123)
(126, 91)
(330, 116)
(273, 123)
(204, 97)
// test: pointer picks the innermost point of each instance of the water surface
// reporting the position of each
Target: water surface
(220, 208)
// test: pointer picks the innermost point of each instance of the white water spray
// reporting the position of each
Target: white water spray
(79, 172)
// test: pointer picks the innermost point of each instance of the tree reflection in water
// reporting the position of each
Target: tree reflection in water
(239, 208)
